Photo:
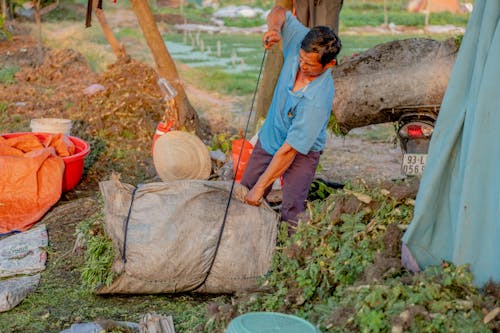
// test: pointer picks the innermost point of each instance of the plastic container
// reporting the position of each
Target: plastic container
(245, 156)
(270, 322)
(51, 125)
(161, 129)
(73, 165)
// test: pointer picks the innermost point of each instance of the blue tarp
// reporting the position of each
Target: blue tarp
(457, 211)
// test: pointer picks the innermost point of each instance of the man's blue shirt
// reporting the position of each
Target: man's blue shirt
(297, 118)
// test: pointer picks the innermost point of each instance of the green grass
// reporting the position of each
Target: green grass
(214, 72)
(244, 22)
(214, 79)
(315, 275)
(12, 122)
(191, 13)
(356, 13)
(128, 33)
(59, 301)
(62, 298)
(4, 33)
(7, 74)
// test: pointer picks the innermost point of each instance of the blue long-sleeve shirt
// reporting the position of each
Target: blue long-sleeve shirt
(298, 118)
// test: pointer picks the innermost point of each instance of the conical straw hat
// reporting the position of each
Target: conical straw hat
(181, 155)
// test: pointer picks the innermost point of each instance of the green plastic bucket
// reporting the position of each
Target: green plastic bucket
(270, 322)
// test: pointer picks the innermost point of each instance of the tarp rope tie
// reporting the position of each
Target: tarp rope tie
(124, 253)
(234, 179)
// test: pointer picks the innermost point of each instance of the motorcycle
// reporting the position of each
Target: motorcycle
(414, 130)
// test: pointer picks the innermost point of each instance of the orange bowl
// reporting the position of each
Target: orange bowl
(73, 165)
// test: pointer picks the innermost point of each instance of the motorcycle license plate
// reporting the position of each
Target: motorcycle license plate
(413, 164)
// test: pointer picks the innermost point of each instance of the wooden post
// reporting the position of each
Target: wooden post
(4, 9)
(272, 69)
(152, 323)
(118, 48)
(166, 66)
(38, 21)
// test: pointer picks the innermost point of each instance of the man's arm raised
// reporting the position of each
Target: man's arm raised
(275, 21)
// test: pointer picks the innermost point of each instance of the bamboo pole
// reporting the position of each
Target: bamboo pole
(164, 62)
(117, 47)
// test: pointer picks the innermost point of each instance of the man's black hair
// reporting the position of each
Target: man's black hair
(324, 41)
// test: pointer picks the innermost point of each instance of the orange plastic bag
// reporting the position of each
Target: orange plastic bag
(25, 142)
(63, 145)
(239, 169)
(29, 186)
(6, 150)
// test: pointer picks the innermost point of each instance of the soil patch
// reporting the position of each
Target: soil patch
(124, 116)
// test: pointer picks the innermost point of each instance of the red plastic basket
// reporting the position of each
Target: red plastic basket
(73, 165)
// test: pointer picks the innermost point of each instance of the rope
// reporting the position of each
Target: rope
(234, 179)
(124, 254)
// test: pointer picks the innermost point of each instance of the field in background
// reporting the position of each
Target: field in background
(355, 13)
(230, 63)
(226, 63)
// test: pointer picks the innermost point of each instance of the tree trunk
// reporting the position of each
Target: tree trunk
(118, 48)
(272, 68)
(312, 13)
(166, 67)
(38, 21)
(47, 9)
(379, 85)
(4, 9)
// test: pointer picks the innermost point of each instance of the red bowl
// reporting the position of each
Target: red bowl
(73, 165)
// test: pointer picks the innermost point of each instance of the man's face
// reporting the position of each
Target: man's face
(310, 65)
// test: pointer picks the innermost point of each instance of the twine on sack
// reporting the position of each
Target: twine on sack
(126, 221)
(234, 180)
(125, 229)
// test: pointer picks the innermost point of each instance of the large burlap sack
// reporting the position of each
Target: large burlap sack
(172, 234)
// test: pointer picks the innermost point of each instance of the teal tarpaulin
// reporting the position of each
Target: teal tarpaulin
(457, 211)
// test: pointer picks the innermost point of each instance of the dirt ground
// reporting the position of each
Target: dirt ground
(358, 155)
(127, 114)
(53, 86)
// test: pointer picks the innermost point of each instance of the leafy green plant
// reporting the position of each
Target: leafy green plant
(325, 273)
(458, 39)
(99, 252)
(7, 74)
(223, 141)
(323, 253)
(334, 127)
(4, 33)
(440, 299)
(319, 190)
(335, 271)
